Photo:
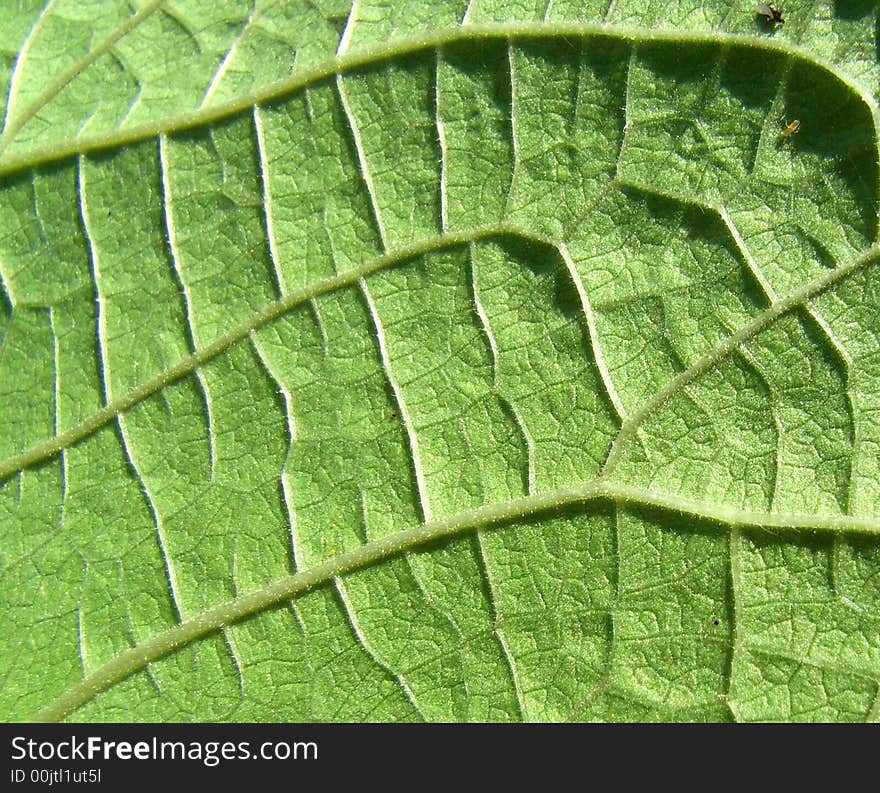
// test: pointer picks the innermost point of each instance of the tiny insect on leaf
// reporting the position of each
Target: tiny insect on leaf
(791, 128)
(771, 13)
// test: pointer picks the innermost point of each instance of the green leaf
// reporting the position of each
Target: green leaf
(433, 361)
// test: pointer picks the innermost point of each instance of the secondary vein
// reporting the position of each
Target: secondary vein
(489, 517)
(350, 61)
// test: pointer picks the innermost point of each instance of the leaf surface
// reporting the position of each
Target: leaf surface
(411, 361)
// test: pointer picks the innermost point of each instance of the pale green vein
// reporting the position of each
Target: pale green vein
(800, 661)
(483, 561)
(466, 19)
(56, 360)
(426, 40)
(491, 516)
(441, 140)
(846, 362)
(286, 493)
(350, 23)
(71, 73)
(363, 168)
(52, 446)
(397, 391)
(21, 58)
(514, 132)
(179, 276)
(505, 400)
(844, 358)
(746, 332)
(593, 330)
(370, 651)
(229, 57)
(104, 369)
(267, 202)
(236, 661)
(188, 365)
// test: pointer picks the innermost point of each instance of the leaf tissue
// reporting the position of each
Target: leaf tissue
(434, 360)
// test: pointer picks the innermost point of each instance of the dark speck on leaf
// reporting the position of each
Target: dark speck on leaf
(771, 14)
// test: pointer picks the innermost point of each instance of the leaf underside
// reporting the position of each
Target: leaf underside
(435, 361)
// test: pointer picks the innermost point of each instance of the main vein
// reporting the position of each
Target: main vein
(487, 517)
(52, 446)
(349, 61)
